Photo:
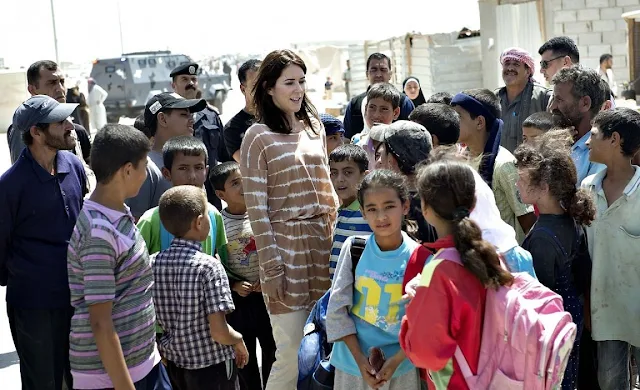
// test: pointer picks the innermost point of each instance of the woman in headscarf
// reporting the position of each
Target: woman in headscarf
(411, 88)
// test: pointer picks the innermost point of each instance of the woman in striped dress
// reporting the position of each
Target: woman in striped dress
(291, 204)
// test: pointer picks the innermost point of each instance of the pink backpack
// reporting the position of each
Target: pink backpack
(527, 337)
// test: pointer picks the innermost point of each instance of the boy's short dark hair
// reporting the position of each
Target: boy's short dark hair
(179, 206)
(185, 144)
(221, 172)
(440, 120)
(625, 122)
(114, 146)
(440, 97)
(386, 92)
(350, 152)
(539, 120)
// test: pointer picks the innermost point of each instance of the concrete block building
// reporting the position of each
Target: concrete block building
(443, 62)
(597, 26)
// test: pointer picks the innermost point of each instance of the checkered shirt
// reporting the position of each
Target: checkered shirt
(190, 285)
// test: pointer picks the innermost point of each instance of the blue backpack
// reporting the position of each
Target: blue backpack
(314, 370)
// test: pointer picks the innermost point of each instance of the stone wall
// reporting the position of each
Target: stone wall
(597, 27)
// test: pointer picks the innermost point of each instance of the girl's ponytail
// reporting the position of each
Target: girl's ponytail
(448, 188)
(477, 255)
(581, 207)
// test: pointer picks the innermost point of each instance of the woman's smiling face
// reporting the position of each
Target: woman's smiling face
(288, 93)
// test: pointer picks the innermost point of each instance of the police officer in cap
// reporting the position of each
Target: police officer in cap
(207, 124)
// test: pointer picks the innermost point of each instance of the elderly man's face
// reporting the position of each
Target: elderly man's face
(515, 72)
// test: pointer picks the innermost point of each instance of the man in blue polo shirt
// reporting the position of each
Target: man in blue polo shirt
(41, 196)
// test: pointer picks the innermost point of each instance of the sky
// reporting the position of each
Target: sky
(89, 29)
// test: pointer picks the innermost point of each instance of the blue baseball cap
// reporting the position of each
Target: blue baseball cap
(41, 109)
(332, 125)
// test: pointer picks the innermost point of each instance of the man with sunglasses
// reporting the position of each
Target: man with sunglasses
(557, 53)
(520, 97)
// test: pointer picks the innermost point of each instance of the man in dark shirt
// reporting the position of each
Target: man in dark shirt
(378, 71)
(45, 78)
(42, 195)
(207, 124)
(234, 129)
(520, 97)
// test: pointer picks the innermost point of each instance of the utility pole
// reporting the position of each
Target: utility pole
(120, 27)
(55, 35)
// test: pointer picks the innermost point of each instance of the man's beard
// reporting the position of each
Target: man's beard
(562, 121)
(60, 143)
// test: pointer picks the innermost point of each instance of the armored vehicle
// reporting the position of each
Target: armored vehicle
(133, 78)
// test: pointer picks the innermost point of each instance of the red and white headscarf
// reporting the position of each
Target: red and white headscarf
(520, 55)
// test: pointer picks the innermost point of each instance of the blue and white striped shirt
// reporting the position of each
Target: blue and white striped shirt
(350, 222)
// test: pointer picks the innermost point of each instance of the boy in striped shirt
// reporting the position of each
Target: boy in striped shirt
(348, 166)
(112, 340)
(250, 316)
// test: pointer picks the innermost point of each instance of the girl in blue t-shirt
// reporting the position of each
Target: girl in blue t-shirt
(366, 307)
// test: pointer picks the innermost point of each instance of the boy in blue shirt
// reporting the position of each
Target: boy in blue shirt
(348, 166)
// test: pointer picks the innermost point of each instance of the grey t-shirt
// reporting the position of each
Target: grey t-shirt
(152, 189)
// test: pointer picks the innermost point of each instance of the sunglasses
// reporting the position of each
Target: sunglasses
(544, 64)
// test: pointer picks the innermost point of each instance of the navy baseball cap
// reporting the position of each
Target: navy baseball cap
(41, 109)
(332, 125)
(168, 100)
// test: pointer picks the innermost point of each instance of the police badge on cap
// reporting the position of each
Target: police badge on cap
(190, 69)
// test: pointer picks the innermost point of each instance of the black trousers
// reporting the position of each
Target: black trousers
(209, 378)
(41, 337)
(588, 366)
(251, 318)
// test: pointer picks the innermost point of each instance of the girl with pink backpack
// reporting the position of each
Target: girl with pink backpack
(471, 323)
(447, 310)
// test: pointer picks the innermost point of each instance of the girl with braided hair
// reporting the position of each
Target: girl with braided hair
(447, 309)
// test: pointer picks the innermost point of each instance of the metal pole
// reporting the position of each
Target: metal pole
(55, 35)
(120, 27)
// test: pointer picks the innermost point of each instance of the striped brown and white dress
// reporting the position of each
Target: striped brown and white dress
(292, 207)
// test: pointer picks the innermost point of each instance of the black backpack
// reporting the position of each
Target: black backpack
(323, 375)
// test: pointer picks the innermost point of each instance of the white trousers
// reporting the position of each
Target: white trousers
(287, 332)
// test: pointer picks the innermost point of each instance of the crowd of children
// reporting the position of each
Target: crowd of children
(406, 226)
